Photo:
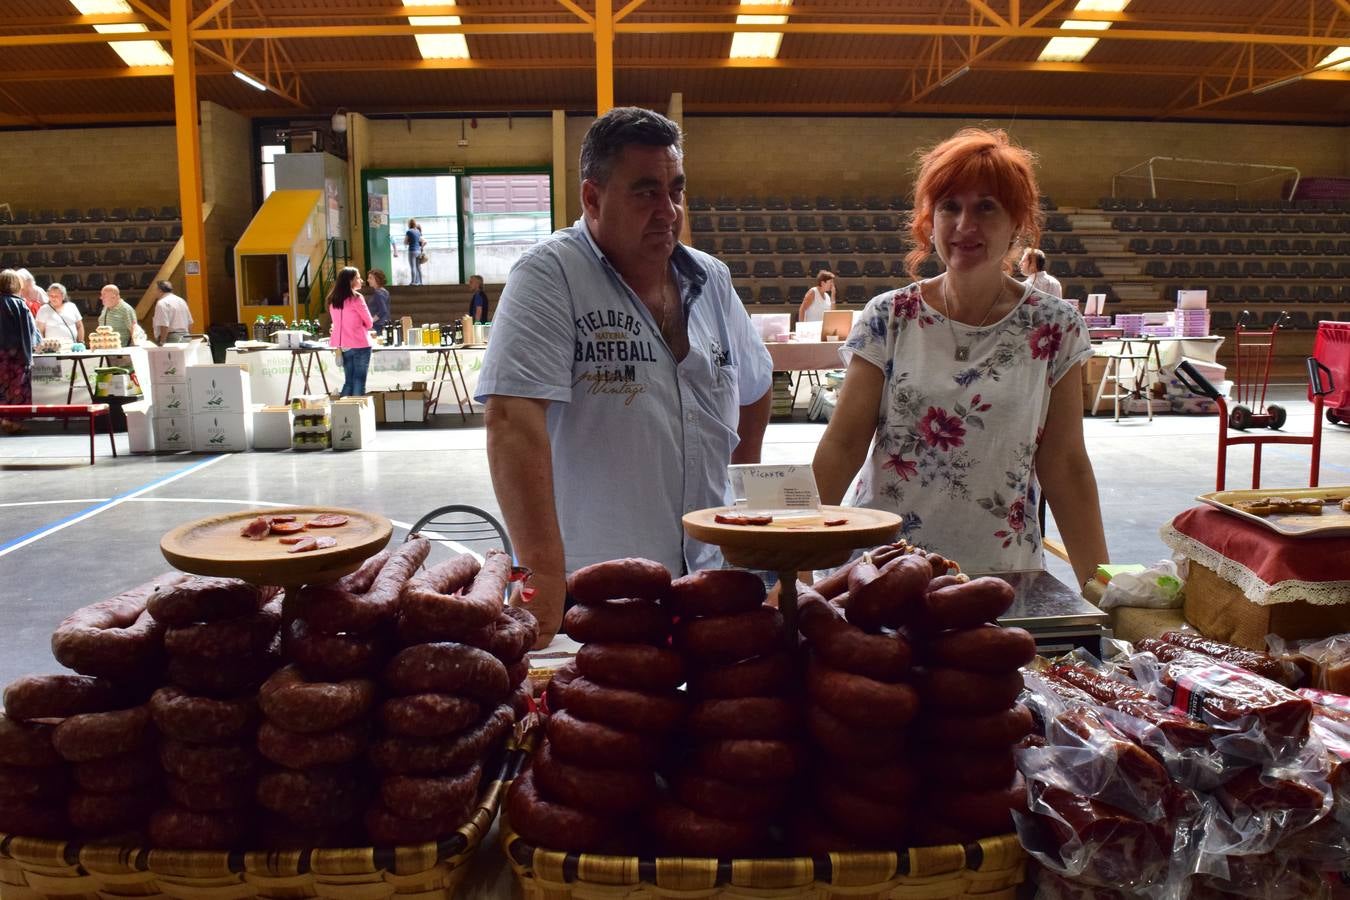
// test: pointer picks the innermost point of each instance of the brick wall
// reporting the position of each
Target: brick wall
(84, 167)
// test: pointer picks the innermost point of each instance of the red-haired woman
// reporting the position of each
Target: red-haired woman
(969, 381)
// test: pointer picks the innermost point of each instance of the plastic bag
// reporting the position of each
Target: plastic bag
(1157, 587)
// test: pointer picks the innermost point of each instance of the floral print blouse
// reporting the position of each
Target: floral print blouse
(955, 446)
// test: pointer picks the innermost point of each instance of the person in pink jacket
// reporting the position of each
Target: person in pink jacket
(351, 330)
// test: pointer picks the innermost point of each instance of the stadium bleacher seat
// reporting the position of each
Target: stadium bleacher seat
(765, 268)
(1274, 293)
(899, 202)
(840, 243)
(858, 223)
(142, 214)
(874, 268)
(1087, 268)
(728, 223)
(866, 245)
(1210, 246)
(733, 244)
(1125, 223)
(743, 291)
(855, 293)
(1060, 269)
(786, 244)
(807, 223)
(771, 294)
(1221, 319)
(751, 202)
(1187, 246)
(813, 243)
(139, 257)
(1225, 293)
(753, 223)
(119, 214)
(898, 269)
(1300, 268)
(1300, 293)
(699, 222)
(1229, 268)
(114, 256)
(892, 245)
(799, 202)
(775, 203)
(1277, 268)
(699, 204)
(832, 223)
(760, 244)
(875, 202)
(1249, 293)
(1138, 245)
(156, 234)
(723, 202)
(816, 265)
(847, 268)
(883, 223)
(792, 268)
(1071, 244)
(851, 203)
(780, 222)
(1233, 245)
(53, 236)
(37, 259)
(125, 281)
(739, 268)
(63, 258)
(823, 202)
(70, 215)
(1206, 268)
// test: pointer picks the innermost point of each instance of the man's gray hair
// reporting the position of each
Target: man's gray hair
(618, 128)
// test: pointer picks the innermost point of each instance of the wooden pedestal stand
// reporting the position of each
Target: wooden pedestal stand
(791, 545)
(213, 546)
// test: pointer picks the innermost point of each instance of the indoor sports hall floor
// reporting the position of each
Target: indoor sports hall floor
(72, 534)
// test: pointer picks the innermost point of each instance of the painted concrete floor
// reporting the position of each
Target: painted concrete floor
(72, 534)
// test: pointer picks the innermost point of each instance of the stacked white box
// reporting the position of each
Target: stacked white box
(222, 432)
(353, 423)
(166, 399)
(272, 427)
(221, 403)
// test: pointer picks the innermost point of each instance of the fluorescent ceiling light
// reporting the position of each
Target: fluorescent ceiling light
(1283, 82)
(1340, 53)
(438, 46)
(758, 44)
(1066, 49)
(133, 53)
(953, 76)
(249, 80)
(1073, 49)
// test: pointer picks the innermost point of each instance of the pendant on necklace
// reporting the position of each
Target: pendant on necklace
(962, 353)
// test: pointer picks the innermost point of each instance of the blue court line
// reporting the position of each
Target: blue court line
(30, 537)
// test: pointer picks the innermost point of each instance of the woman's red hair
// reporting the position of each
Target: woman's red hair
(974, 158)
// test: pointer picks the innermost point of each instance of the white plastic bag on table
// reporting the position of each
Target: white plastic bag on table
(1157, 587)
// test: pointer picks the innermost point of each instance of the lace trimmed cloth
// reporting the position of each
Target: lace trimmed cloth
(1267, 567)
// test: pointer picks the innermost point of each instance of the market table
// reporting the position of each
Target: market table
(54, 371)
(804, 356)
(391, 368)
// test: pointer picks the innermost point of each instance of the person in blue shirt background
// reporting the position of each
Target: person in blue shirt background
(478, 304)
(623, 374)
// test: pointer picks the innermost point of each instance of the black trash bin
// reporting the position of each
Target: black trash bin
(223, 336)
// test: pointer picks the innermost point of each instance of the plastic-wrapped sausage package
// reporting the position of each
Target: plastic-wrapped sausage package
(1118, 809)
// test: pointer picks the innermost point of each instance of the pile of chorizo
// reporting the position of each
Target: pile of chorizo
(453, 690)
(744, 748)
(612, 715)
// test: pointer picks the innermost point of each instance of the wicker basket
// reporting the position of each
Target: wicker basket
(990, 869)
(33, 869)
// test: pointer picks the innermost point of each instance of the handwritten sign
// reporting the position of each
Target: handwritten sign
(775, 487)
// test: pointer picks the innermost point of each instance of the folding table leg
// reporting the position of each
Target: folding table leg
(112, 441)
(91, 436)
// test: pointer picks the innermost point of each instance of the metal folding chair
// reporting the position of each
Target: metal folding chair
(463, 529)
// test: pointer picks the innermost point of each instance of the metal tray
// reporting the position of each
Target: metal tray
(1333, 522)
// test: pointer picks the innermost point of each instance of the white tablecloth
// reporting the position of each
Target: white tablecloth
(391, 369)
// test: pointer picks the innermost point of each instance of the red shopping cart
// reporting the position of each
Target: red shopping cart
(1253, 351)
(1320, 384)
(1332, 349)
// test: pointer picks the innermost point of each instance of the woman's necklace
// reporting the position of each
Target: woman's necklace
(963, 350)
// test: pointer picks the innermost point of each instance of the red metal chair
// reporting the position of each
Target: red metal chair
(1318, 388)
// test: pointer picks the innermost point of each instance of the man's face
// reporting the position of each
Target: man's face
(109, 297)
(638, 213)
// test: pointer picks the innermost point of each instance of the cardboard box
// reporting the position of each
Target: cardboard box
(377, 401)
(393, 407)
(169, 364)
(415, 406)
(219, 389)
(171, 399)
(140, 427)
(1093, 372)
(1218, 609)
(173, 433)
(222, 432)
(353, 423)
(272, 428)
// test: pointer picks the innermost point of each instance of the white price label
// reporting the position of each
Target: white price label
(768, 488)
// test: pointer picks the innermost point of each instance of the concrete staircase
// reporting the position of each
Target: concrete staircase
(443, 303)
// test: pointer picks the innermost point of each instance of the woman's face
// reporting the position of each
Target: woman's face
(971, 230)
(827, 285)
(55, 298)
(373, 279)
(356, 284)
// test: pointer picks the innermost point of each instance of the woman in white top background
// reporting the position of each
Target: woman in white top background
(58, 318)
(819, 299)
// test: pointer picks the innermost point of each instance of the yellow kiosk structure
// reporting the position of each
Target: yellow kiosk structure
(277, 260)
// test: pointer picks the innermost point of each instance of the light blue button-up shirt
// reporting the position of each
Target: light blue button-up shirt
(638, 440)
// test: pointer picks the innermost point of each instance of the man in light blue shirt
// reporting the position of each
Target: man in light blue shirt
(623, 374)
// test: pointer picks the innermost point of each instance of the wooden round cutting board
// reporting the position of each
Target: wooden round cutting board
(789, 544)
(214, 546)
